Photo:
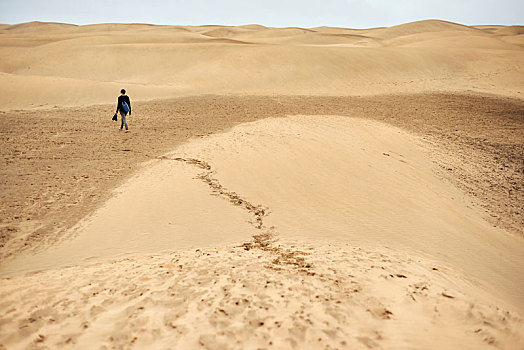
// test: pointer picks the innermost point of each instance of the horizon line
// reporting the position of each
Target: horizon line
(255, 24)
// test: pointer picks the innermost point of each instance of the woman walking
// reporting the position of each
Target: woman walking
(124, 106)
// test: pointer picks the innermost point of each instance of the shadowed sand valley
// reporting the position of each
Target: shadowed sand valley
(280, 188)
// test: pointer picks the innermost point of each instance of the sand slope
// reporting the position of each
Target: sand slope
(359, 181)
(60, 64)
(312, 177)
(288, 295)
(357, 244)
(162, 207)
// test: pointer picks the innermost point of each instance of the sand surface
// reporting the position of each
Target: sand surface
(323, 188)
(66, 65)
(281, 295)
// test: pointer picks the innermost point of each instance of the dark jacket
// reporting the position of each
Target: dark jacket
(123, 98)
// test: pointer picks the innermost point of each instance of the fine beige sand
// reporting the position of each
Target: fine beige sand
(67, 65)
(281, 188)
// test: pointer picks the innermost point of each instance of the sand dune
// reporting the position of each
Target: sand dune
(430, 26)
(442, 56)
(514, 39)
(343, 211)
(510, 30)
(42, 27)
(450, 39)
(352, 180)
(247, 216)
(375, 187)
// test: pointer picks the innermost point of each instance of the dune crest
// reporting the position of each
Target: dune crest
(421, 56)
(311, 177)
(355, 243)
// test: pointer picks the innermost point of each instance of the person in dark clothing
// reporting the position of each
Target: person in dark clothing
(123, 98)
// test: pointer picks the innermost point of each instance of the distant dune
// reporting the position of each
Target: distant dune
(68, 65)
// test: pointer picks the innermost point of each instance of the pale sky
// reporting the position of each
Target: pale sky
(274, 13)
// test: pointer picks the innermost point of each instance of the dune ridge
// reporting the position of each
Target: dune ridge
(477, 142)
(354, 262)
(190, 60)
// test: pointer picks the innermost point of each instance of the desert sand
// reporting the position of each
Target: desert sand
(281, 188)
(67, 65)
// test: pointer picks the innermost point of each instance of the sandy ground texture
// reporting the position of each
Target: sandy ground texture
(323, 197)
(60, 164)
(262, 295)
(322, 188)
(50, 64)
